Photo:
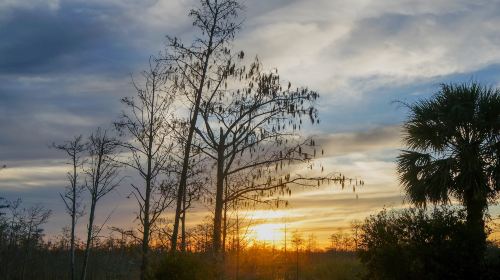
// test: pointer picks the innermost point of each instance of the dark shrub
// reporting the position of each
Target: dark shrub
(185, 266)
(415, 244)
(492, 261)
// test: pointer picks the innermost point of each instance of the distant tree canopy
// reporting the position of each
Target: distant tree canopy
(21, 234)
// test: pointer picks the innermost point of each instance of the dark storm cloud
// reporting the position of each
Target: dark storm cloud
(62, 72)
(31, 120)
(71, 38)
(39, 41)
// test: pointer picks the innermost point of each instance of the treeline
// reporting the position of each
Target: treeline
(25, 254)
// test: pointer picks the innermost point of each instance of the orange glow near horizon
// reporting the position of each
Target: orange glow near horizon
(268, 233)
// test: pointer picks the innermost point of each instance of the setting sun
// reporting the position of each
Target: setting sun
(267, 232)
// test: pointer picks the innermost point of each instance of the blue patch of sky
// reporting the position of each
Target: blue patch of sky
(383, 106)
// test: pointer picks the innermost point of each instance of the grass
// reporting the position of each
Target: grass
(266, 264)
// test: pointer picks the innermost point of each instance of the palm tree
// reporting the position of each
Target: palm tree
(453, 143)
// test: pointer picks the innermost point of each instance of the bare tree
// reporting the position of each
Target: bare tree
(251, 132)
(72, 195)
(149, 146)
(34, 218)
(102, 177)
(197, 176)
(312, 242)
(194, 190)
(355, 231)
(297, 241)
(21, 235)
(201, 68)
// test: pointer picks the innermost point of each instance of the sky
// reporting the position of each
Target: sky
(64, 65)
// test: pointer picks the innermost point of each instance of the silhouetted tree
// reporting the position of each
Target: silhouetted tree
(201, 68)
(250, 129)
(312, 243)
(21, 235)
(102, 178)
(355, 231)
(197, 177)
(416, 244)
(297, 241)
(72, 195)
(146, 124)
(34, 218)
(453, 142)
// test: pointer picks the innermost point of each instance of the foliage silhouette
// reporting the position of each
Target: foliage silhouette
(72, 199)
(185, 266)
(197, 66)
(146, 124)
(416, 244)
(454, 152)
(102, 177)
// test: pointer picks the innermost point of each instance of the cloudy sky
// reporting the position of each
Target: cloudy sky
(65, 64)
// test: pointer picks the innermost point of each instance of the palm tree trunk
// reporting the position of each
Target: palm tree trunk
(476, 246)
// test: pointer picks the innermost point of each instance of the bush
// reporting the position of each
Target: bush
(492, 261)
(415, 244)
(186, 266)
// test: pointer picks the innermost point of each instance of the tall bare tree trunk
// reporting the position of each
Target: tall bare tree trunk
(73, 149)
(102, 172)
(187, 150)
(145, 236)
(237, 246)
(224, 229)
(224, 226)
(146, 222)
(183, 228)
(219, 196)
(89, 240)
(150, 148)
(182, 183)
(73, 222)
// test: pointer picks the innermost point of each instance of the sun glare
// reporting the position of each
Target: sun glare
(267, 232)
